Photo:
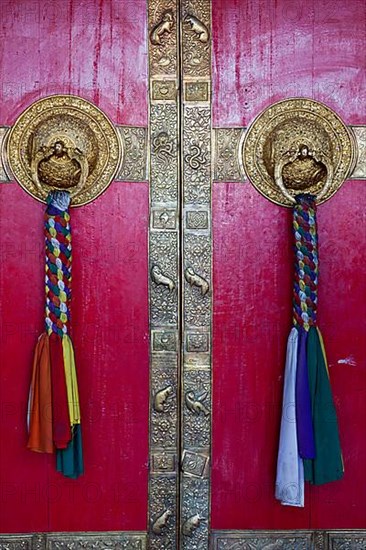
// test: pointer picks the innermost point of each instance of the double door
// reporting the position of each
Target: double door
(181, 277)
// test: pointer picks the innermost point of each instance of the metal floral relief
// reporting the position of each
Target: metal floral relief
(134, 163)
(360, 169)
(227, 154)
(196, 274)
(75, 541)
(164, 287)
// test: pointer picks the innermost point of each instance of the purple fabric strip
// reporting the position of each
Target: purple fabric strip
(304, 421)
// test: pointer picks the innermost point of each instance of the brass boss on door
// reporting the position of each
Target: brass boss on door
(64, 142)
(298, 146)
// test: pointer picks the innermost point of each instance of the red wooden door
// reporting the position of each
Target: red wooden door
(263, 52)
(235, 280)
(96, 50)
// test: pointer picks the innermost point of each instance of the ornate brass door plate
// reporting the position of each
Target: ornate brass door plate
(64, 142)
(298, 146)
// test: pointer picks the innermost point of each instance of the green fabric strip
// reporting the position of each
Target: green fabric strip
(69, 461)
(328, 464)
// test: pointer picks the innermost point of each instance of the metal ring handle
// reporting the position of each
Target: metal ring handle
(46, 152)
(291, 156)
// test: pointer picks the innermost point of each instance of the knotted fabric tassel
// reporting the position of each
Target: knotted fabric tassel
(309, 446)
(53, 411)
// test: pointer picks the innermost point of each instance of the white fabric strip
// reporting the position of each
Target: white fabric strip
(290, 468)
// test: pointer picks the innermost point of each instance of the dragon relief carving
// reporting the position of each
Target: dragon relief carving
(163, 146)
(196, 157)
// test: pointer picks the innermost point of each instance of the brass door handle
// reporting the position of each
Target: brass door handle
(303, 154)
(74, 178)
(298, 146)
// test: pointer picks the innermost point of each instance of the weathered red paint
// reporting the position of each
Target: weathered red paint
(95, 49)
(266, 51)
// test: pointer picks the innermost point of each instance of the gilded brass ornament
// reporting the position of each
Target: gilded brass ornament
(191, 524)
(164, 90)
(197, 90)
(195, 464)
(198, 27)
(133, 166)
(263, 540)
(161, 522)
(360, 169)
(161, 399)
(298, 146)
(160, 278)
(64, 142)
(164, 283)
(115, 540)
(196, 273)
(164, 25)
(291, 540)
(227, 157)
(3, 161)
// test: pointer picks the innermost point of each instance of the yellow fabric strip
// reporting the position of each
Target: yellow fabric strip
(323, 349)
(71, 380)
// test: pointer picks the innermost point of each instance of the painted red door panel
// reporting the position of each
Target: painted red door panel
(263, 52)
(95, 49)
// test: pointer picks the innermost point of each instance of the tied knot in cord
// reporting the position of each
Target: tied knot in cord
(58, 262)
(305, 290)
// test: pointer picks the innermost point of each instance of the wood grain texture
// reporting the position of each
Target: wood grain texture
(265, 51)
(93, 48)
(96, 49)
(269, 50)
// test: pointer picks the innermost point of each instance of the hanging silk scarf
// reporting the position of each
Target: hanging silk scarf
(297, 153)
(309, 441)
(54, 411)
(60, 147)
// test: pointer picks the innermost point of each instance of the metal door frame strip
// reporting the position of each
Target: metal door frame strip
(164, 283)
(196, 277)
(291, 540)
(120, 540)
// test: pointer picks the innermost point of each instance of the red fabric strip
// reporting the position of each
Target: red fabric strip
(40, 424)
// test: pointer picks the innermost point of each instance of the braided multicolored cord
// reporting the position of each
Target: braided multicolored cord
(54, 381)
(58, 263)
(305, 298)
(309, 448)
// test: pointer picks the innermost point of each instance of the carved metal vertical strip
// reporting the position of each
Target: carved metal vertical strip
(196, 273)
(163, 20)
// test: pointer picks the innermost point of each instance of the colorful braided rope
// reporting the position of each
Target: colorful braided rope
(58, 262)
(305, 288)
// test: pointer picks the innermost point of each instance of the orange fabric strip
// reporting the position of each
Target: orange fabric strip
(40, 424)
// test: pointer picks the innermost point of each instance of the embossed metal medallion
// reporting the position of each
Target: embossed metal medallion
(295, 146)
(64, 142)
